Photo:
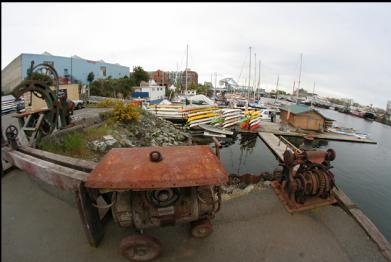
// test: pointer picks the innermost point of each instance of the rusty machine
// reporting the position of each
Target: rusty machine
(306, 180)
(42, 122)
(141, 188)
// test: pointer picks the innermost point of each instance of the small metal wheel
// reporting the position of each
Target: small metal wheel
(11, 132)
(140, 247)
(201, 228)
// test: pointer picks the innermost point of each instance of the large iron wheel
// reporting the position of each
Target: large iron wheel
(201, 228)
(140, 247)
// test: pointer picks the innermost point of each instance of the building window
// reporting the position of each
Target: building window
(103, 70)
(66, 73)
(51, 63)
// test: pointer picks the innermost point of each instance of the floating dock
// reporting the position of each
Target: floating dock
(273, 128)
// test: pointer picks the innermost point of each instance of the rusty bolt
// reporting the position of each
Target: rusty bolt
(155, 156)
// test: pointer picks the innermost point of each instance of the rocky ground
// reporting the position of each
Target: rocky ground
(148, 131)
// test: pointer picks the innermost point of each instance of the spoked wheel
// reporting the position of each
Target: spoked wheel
(201, 228)
(140, 247)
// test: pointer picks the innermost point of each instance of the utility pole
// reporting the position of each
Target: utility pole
(249, 77)
(187, 53)
(298, 84)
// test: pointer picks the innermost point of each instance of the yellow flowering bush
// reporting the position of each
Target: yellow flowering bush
(125, 112)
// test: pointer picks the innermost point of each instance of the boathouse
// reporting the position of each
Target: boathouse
(304, 117)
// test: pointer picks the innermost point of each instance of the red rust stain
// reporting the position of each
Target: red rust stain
(181, 166)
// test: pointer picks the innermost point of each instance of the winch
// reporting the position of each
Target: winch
(306, 181)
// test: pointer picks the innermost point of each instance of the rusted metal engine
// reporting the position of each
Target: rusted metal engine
(164, 207)
(306, 180)
(159, 186)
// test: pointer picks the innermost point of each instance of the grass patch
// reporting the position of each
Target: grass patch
(96, 133)
(74, 145)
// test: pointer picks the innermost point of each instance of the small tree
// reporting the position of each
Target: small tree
(90, 77)
(139, 74)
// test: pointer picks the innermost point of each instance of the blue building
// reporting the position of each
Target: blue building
(75, 69)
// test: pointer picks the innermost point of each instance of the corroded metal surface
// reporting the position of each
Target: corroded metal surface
(181, 166)
(293, 206)
(306, 180)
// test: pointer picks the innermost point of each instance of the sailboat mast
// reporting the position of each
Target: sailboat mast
(298, 84)
(214, 89)
(259, 78)
(255, 74)
(278, 77)
(249, 77)
(187, 55)
(313, 91)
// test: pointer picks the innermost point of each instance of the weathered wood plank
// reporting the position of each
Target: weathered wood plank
(74, 163)
(62, 177)
(368, 226)
(274, 143)
(89, 215)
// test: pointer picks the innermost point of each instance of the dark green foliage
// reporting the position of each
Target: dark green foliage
(110, 87)
(90, 77)
(138, 75)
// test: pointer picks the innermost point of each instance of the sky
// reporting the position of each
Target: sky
(346, 47)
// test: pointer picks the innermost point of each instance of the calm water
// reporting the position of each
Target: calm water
(363, 171)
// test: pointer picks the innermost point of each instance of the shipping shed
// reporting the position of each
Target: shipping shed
(304, 117)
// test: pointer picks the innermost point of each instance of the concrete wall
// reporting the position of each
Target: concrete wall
(73, 93)
(11, 75)
(75, 67)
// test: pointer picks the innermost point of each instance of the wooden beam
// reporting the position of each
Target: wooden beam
(74, 163)
(369, 227)
(62, 177)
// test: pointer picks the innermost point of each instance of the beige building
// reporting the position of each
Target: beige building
(72, 91)
(304, 117)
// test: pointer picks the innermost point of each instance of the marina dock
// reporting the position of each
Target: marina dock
(273, 128)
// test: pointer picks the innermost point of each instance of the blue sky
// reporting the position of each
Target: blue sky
(346, 46)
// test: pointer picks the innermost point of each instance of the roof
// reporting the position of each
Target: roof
(298, 109)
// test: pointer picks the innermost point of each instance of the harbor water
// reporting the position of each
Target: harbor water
(362, 171)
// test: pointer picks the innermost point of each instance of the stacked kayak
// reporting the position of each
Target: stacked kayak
(227, 118)
(251, 120)
(168, 111)
(203, 115)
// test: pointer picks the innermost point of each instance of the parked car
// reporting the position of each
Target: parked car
(79, 104)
